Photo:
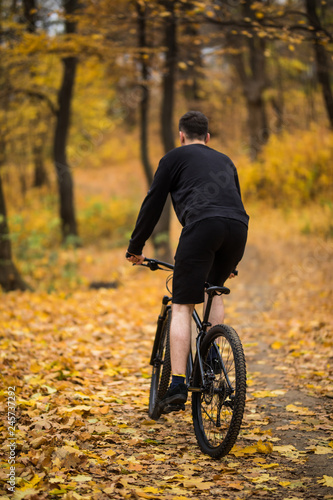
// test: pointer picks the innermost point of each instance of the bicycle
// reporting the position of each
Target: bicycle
(215, 375)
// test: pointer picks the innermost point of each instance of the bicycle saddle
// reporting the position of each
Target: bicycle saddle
(217, 290)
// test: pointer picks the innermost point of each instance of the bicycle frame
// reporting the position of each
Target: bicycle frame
(202, 327)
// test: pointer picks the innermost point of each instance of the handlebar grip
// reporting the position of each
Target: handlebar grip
(127, 255)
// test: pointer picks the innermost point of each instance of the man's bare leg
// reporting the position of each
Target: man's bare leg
(180, 337)
(216, 316)
(180, 331)
(180, 340)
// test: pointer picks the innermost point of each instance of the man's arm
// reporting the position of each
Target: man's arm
(151, 209)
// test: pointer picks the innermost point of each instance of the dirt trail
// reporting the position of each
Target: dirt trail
(296, 417)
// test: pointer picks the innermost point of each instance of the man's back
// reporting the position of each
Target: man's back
(203, 183)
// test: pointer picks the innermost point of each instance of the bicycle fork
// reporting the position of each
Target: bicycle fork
(206, 384)
(160, 322)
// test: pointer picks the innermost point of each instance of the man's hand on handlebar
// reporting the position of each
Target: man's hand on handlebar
(136, 260)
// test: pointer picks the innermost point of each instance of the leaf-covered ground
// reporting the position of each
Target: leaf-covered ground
(79, 362)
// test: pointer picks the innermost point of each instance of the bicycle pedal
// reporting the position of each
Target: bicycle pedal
(170, 408)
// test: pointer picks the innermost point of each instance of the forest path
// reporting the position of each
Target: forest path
(285, 366)
(79, 360)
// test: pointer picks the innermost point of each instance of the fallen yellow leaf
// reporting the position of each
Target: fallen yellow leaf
(80, 478)
(150, 489)
(284, 483)
(205, 486)
(264, 394)
(180, 497)
(326, 481)
(322, 450)
(263, 478)
(276, 345)
(265, 447)
(77, 408)
(104, 410)
(143, 494)
(239, 452)
(110, 453)
(300, 410)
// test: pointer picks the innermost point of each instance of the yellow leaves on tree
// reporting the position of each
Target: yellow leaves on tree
(292, 170)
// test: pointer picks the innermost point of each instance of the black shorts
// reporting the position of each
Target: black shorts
(208, 251)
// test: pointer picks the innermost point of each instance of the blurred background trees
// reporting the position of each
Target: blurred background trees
(96, 85)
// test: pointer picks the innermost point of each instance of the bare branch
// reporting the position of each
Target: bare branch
(33, 93)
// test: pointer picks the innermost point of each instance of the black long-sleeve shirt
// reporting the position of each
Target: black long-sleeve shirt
(202, 182)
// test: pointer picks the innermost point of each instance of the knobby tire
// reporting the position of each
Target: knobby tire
(161, 370)
(218, 413)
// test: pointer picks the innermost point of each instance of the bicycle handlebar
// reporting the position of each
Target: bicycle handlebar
(155, 264)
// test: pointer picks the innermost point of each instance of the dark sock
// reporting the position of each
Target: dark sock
(176, 380)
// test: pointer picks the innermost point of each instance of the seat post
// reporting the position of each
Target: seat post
(211, 292)
(205, 323)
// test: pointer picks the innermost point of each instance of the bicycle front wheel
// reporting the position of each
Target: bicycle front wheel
(218, 409)
(161, 370)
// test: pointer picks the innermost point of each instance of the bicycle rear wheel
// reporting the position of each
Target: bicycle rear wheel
(218, 409)
(161, 370)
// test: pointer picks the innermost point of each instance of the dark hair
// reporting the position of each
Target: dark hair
(194, 125)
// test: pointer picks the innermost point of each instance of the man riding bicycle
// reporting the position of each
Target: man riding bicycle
(206, 196)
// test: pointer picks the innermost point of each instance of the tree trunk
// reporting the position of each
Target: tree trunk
(41, 177)
(322, 63)
(64, 176)
(10, 278)
(168, 84)
(278, 110)
(254, 82)
(13, 6)
(161, 235)
(144, 104)
(278, 102)
(193, 53)
(256, 113)
(257, 124)
(30, 14)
